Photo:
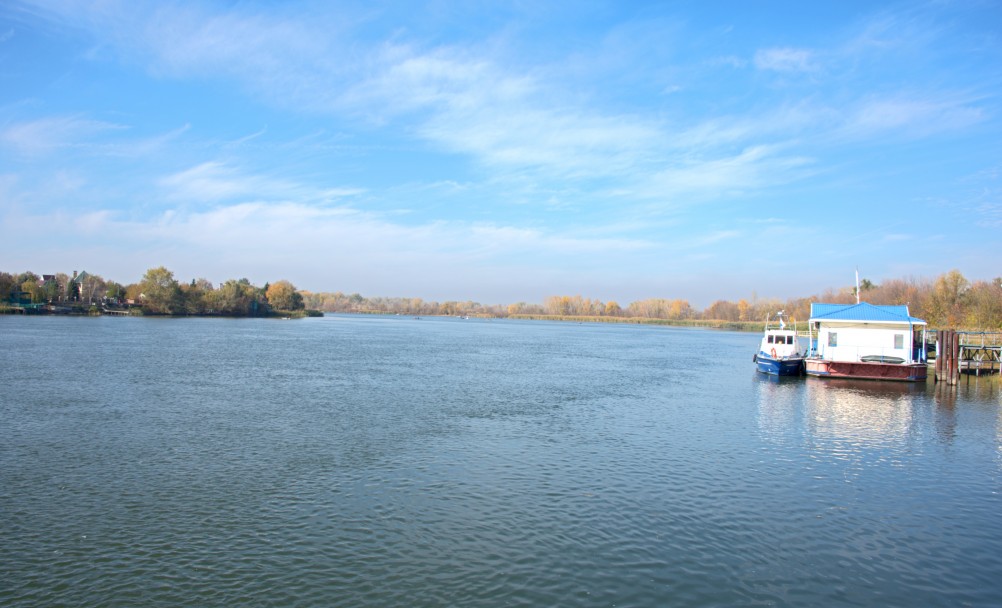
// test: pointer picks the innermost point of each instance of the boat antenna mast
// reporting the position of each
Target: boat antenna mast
(857, 284)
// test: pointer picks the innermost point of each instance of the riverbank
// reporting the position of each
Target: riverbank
(753, 326)
(136, 311)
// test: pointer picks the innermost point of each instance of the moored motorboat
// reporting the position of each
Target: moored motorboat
(779, 352)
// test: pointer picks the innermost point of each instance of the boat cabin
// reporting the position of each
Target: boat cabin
(866, 333)
(779, 343)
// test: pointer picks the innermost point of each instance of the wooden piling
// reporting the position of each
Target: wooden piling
(938, 375)
(948, 356)
(945, 351)
(948, 359)
(954, 358)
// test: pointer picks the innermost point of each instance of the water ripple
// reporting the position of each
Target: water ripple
(388, 462)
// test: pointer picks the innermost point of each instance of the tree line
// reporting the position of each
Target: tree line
(950, 300)
(158, 292)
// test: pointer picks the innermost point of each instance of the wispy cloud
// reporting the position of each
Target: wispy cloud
(751, 169)
(216, 181)
(364, 135)
(989, 214)
(44, 135)
(916, 116)
(786, 60)
(251, 239)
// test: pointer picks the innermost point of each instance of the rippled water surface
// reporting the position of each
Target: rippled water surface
(392, 461)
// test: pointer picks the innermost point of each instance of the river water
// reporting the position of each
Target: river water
(393, 461)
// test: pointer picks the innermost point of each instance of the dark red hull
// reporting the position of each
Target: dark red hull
(902, 372)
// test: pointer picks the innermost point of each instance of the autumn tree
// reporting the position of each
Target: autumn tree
(282, 295)
(947, 299)
(195, 301)
(722, 310)
(984, 305)
(744, 308)
(133, 292)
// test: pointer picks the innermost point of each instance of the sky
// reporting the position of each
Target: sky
(504, 151)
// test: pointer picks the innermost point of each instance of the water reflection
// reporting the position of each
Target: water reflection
(855, 411)
(838, 413)
(860, 411)
(779, 404)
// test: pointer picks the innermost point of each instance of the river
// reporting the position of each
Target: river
(394, 461)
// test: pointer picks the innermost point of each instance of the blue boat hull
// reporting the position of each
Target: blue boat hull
(791, 366)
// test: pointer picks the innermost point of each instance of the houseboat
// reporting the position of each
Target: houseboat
(779, 352)
(866, 341)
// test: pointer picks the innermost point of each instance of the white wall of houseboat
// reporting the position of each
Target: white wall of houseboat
(853, 341)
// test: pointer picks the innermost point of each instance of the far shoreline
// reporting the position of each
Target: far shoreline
(54, 310)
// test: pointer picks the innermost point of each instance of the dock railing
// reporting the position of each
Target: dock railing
(975, 352)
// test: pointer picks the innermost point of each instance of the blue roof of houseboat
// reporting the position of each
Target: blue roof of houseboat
(864, 311)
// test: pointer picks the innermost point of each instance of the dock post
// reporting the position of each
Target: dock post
(955, 358)
(938, 373)
(948, 358)
(945, 367)
(945, 349)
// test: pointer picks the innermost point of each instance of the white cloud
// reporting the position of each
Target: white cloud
(989, 215)
(216, 181)
(315, 247)
(210, 181)
(41, 136)
(786, 60)
(752, 168)
(915, 115)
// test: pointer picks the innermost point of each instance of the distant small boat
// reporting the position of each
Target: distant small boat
(779, 352)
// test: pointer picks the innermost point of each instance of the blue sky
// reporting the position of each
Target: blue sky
(504, 151)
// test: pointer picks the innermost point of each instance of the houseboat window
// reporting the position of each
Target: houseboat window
(789, 339)
(833, 339)
(771, 339)
(899, 340)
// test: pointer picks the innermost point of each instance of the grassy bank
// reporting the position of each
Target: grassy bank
(755, 326)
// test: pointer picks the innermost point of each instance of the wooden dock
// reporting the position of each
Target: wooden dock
(973, 352)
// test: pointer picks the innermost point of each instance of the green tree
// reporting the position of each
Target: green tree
(114, 291)
(54, 290)
(282, 295)
(6, 285)
(160, 293)
(34, 289)
(237, 298)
